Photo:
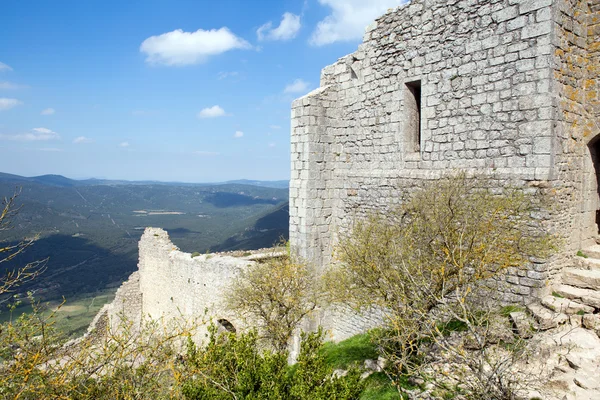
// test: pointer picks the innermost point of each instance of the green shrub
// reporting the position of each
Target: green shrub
(232, 366)
(195, 254)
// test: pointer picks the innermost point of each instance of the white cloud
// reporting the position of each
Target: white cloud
(238, 134)
(224, 74)
(271, 145)
(6, 104)
(288, 28)
(9, 85)
(48, 111)
(212, 112)
(4, 67)
(206, 153)
(124, 144)
(298, 86)
(82, 139)
(348, 19)
(186, 48)
(36, 134)
(275, 127)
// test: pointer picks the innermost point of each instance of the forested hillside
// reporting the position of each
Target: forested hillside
(89, 229)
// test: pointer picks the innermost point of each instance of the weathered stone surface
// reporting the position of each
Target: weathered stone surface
(581, 278)
(545, 318)
(508, 88)
(566, 306)
(587, 382)
(522, 325)
(587, 263)
(171, 284)
(585, 296)
(592, 322)
(592, 251)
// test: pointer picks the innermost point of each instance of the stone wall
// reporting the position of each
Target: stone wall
(575, 84)
(126, 307)
(172, 284)
(495, 98)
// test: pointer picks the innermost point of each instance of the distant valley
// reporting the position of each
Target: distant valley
(89, 229)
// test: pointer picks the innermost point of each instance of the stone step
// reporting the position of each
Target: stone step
(562, 305)
(545, 318)
(581, 278)
(587, 263)
(592, 251)
(584, 296)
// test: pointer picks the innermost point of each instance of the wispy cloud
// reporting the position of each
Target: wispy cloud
(212, 112)
(4, 67)
(5, 85)
(124, 144)
(50, 149)
(48, 111)
(36, 134)
(225, 74)
(7, 104)
(178, 48)
(288, 28)
(348, 19)
(298, 86)
(275, 127)
(238, 134)
(271, 145)
(206, 153)
(82, 139)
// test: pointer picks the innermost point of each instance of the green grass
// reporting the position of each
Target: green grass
(581, 254)
(350, 351)
(354, 351)
(379, 387)
(506, 310)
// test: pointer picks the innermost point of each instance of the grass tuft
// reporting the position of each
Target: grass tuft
(350, 351)
(581, 254)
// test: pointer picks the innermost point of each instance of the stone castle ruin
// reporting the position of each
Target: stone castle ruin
(505, 87)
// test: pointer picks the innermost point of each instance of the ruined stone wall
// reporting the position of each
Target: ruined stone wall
(592, 84)
(126, 307)
(508, 87)
(174, 284)
(575, 85)
(486, 105)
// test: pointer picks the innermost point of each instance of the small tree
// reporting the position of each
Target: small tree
(276, 296)
(428, 264)
(13, 278)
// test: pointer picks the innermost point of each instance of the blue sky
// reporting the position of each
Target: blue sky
(193, 91)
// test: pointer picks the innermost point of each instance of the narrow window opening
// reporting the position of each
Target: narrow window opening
(413, 111)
